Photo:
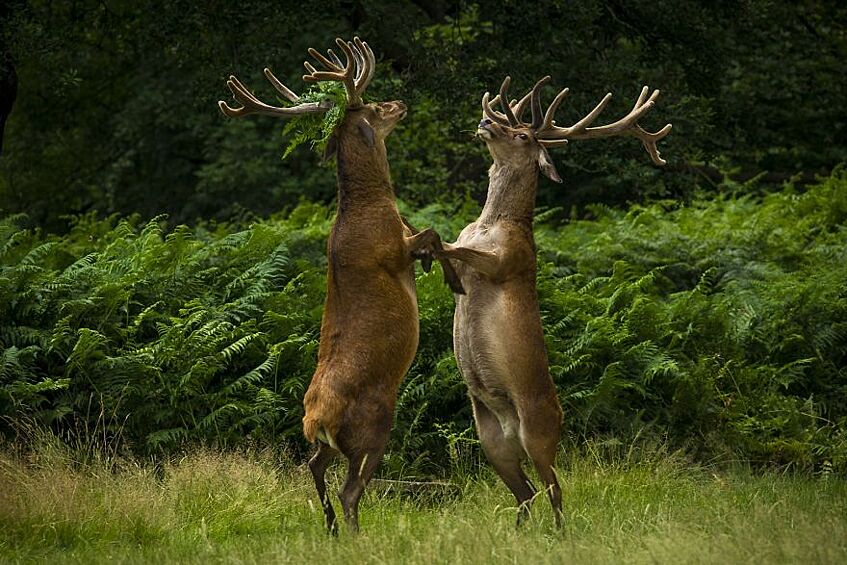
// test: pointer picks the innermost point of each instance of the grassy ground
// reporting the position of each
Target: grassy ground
(250, 508)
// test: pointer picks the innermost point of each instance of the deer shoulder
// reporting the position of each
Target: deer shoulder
(499, 251)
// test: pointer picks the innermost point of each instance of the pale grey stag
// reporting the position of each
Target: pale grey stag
(497, 334)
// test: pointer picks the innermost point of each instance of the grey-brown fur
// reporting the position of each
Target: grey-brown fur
(497, 333)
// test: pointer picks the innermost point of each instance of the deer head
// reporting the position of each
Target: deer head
(371, 122)
(512, 141)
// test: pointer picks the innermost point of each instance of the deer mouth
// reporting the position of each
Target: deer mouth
(398, 110)
(484, 132)
(484, 129)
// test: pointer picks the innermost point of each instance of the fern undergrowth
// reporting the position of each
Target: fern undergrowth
(718, 328)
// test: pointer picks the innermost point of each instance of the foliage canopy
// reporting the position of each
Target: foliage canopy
(116, 110)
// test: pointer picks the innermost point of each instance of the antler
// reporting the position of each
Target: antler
(551, 134)
(515, 109)
(547, 133)
(356, 73)
(252, 105)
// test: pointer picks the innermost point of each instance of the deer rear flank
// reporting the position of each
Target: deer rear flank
(369, 330)
(497, 334)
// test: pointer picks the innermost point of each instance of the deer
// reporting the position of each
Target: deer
(498, 339)
(370, 328)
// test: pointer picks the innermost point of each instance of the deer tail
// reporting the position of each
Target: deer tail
(322, 418)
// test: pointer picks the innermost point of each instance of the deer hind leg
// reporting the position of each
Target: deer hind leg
(539, 435)
(361, 467)
(317, 465)
(505, 455)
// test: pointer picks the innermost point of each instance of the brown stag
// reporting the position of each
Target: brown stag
(497, 334)
(369, 331)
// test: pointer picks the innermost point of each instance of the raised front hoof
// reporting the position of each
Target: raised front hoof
(455, 285)
(451, 277)
(425, 257)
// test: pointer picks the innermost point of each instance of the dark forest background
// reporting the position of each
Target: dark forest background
(116, 107)
(163, 265)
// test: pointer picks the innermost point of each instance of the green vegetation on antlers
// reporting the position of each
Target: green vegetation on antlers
(316, 129)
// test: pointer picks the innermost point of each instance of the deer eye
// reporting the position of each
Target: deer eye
(522, 136)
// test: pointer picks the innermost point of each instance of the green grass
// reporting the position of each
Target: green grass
(253, 507)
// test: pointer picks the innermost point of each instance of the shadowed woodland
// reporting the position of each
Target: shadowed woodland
(162, 268)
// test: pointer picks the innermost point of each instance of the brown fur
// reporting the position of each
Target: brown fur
(497, 333)
(369, 331)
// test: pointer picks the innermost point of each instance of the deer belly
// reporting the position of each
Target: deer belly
(482, 344)
(370, 328)
(393, 336)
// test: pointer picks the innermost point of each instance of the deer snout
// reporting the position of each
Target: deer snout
(396, 105)
(484, 130)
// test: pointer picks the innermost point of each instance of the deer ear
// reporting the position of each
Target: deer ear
(331, 146)
(546, 165)
(368, 132)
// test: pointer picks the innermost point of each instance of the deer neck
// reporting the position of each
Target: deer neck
(511, 194)
(362, 173)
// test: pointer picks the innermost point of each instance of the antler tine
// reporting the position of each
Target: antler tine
(242, 95)
(551, 110)
(318, 56)
(515, 108)
(252, 105)
(643, 94)
(335, 58)
(316, 76)
(353, 97)
(535, 100)
(336, 70)
(649, 141)
(492, 114)
(501, 117)
(550, 131)
(592, 115)
(504, 102)
(281, 88)
(519, 108)
(553, 142)
(360, 62)
(369, 63)
(638, 110)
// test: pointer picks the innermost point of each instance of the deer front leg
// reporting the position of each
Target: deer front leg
(422, 245)
(423, 255)
(485, 262)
